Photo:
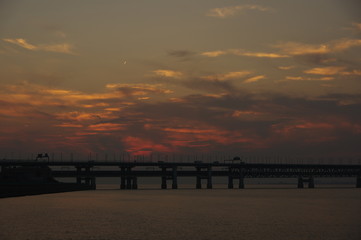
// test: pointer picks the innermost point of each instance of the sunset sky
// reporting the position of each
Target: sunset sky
(241, 77)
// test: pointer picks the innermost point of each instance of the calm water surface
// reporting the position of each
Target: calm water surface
(185, 214)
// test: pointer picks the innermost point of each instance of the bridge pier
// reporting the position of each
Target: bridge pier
(230, 182)
(122, 178)
(135, 183)
(202, 175)
(199, 178)
(164, 178)
(230, 178)
(164, 183)
(87, 173)
(93, 183)
(129, 178)
(300, 182)
(199, 182)
(358, 182)
(209, 178)
(85, 176)
(127, 181)
(241, 182)
(310, 181)
(78, 175)
(174, 178)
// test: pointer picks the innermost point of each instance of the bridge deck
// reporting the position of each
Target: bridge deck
(129, 171)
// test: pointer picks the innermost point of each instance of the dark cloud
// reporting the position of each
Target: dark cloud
(181, 54)
(326, 60)
(279, 123)
(312, 59)
(211, 86)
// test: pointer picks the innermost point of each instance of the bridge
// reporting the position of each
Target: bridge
(86, 172)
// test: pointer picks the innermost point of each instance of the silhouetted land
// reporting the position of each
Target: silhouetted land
(32, 180)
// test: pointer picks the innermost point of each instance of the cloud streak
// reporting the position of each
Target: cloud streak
(241, 52)
(333, 70)
(254, 79)
(226, 12)
(168, 73)
(295, 48)
(59, 48)
(227, 76)
(299, 78)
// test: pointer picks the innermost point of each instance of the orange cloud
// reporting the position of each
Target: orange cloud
(77, 116)
(286, 67)
(60, 48)
(106, 127)
(239, 113)
(38, 95)
(291, 130)
(21, 42)
(353, 72)
(213, 53)
(325, 70)
(254, 79)
(139, 146)
(227, 76)
(190, 130)
(295, 48)
(241, 52)
(314, 125)
(114, 109)
(168, 73)
(309, 79)
(344, 44)
(67, 125)
(138, 89)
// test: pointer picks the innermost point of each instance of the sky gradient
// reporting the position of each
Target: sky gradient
(242, 77)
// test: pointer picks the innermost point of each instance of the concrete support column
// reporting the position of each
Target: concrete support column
(87, 174)
(122, 178)
(300, 182)
(78, 175)
(174, 177)
(199, 179)
(135, 183)
(358, 182)
(129, 178)
(164, 178)
(311, 182)
(230, 178)
(209, 179)
(93, 183)
(241, 182)
(230, 181)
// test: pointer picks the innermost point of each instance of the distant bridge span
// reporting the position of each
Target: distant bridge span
(86, 172)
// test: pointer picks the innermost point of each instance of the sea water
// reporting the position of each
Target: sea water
(253, 213)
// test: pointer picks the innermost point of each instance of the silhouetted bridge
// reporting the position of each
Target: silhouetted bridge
(86, 172)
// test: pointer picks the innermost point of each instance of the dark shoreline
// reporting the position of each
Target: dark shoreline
(18, 190)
